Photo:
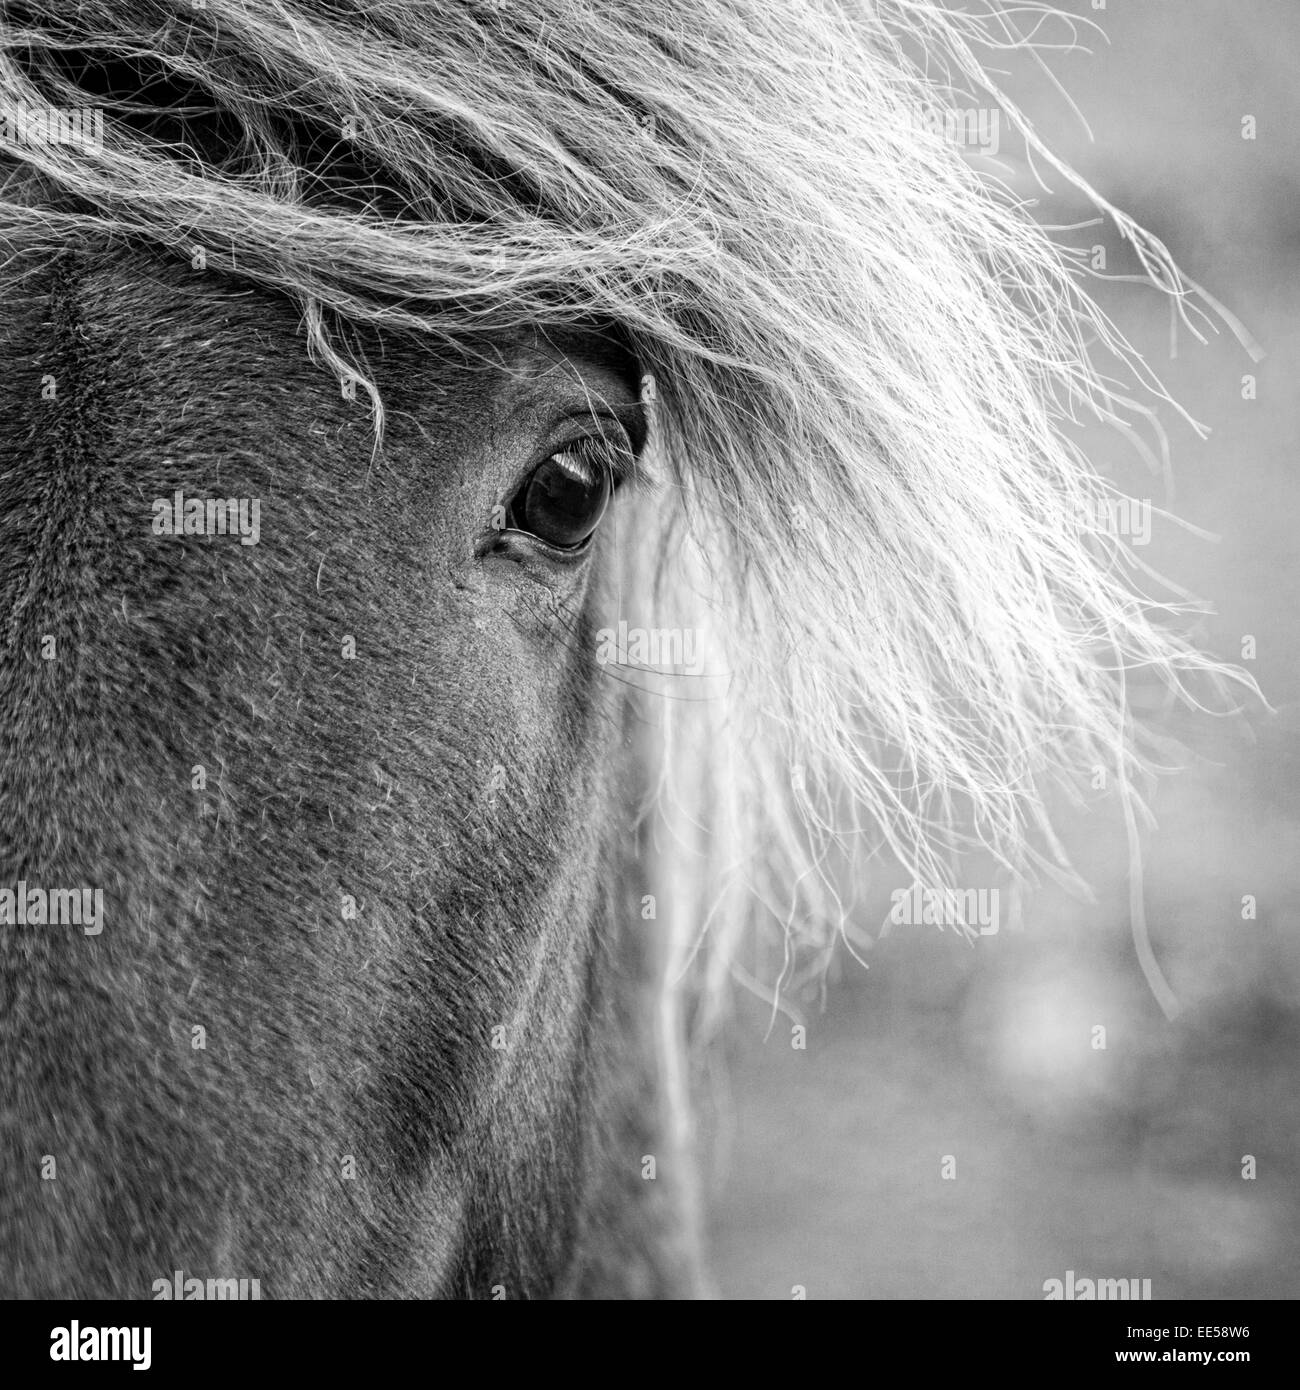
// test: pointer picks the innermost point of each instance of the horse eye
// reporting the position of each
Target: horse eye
(563, 499)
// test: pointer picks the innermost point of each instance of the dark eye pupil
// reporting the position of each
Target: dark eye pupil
(563, 500)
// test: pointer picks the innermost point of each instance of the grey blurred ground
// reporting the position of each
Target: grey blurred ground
(1125, 1162)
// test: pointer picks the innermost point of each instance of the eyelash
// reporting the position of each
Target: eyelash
(599, 452)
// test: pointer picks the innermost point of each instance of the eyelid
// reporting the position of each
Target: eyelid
(625, 421)
(602, 448)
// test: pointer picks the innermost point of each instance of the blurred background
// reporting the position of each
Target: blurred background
(1127, 1161)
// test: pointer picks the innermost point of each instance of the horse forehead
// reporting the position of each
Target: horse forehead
(213, 337)
(177, 359)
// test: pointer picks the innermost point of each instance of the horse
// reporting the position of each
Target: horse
(505, 504)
